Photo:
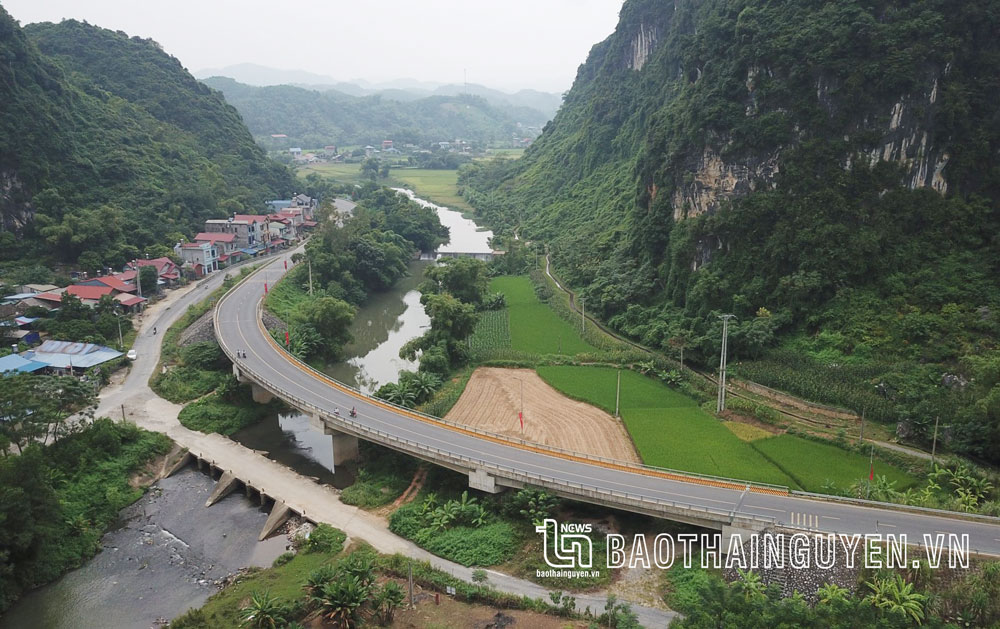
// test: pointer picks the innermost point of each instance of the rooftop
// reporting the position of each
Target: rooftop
(87, 292)
(215, 237)
(17, 364)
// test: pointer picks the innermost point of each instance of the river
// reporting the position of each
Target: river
(163, 558)
(169, 549)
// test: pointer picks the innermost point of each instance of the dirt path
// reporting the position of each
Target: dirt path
(492, 399)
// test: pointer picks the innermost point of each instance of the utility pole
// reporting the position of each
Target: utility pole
(121, 343)
(310, 278)
(583, 315)
(937, 420)
(618, 392)
(721, 403)
(861, 439)
(871, 472)
(138, 284)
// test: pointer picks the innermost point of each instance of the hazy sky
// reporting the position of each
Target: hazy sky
(506, 44)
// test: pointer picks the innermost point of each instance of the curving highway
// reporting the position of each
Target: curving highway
(709, 502)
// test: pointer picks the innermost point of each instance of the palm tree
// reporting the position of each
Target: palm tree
(263, 611)
(893, 594)
(386, 600)
(424, 384)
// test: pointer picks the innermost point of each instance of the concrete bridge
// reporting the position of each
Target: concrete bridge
(493, 462)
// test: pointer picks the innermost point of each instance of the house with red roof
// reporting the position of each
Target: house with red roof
(166, 270)
(225, 247)
(89, 295)
(117, 284)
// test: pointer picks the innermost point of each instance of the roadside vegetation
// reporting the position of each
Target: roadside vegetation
(56, 501)
(323, 584)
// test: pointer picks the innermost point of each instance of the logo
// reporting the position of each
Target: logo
(570, 544)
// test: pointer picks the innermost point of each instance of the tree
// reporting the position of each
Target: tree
(148, 278)
(370, 168)
(35, 408)
(330, 317)
(464, 278)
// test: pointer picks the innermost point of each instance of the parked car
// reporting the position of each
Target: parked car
(131, 355)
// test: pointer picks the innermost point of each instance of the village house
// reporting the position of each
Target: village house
(68, 357)
(166, 271)
(250, 230)
(201, 258)
(225, 247)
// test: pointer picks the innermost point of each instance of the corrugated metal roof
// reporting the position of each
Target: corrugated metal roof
(62, 354)
(16, 363)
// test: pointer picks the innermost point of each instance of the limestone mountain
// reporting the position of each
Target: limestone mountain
(109, 148)
(828, 172)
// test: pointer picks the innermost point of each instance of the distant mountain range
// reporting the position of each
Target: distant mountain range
(403, 90)
(313, 118)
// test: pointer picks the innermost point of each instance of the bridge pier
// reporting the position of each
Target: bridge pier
(481, 480)
(239, 376)
(260, 394)
(729, 531)
(344, 446)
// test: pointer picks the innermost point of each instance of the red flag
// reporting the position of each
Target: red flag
(871, 473)
(286, 338)
(265, 288)
(286, 265)
(520, 417)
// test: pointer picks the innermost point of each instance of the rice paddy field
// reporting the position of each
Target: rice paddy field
(670, 430)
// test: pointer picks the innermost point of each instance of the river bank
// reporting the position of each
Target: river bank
(168, 553)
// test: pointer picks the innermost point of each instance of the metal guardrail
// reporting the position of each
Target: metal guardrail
(929, 511)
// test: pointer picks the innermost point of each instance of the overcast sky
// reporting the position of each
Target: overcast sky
(507, 44)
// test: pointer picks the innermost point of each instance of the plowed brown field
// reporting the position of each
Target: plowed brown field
(492, 399)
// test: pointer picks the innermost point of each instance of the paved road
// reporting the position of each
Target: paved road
(300, 493)
(239, 329)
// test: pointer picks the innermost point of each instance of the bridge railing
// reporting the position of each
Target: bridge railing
(620, 498)
(505, 472)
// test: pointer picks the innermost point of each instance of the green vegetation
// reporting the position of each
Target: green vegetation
(197, 369)
(437, 186)
(311, 118)
(670, 430)
(871, 274)
(817, 465)
(226, 411)
(492, 334)
(113, 150)
(58, 500)
(885, 599)
(382, 477)
(534, 327)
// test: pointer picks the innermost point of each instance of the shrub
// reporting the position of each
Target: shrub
(325, 539)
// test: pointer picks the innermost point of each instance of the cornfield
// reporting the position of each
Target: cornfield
(492, 333)
(852, 387)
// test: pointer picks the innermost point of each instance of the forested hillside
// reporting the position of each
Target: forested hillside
(310, 118)
(109, 149)
(826, 171)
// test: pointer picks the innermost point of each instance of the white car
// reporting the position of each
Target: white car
(131, 355)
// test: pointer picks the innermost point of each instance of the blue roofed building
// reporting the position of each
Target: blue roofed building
(17, 364)
(65, 356)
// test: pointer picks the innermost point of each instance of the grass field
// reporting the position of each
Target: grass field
(437, 186)
(670, 430)
(534, 327)
(345, 173)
